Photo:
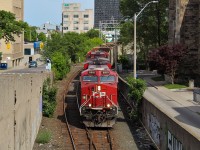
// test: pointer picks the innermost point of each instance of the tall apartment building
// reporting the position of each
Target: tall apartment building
(75, 20)
(184, 28)
(14, 53)
(106, 10)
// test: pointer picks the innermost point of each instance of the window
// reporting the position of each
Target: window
(85, 22)
(75, 28)
(76, 22)
(76, 16)
(65, 16)
(27, 51)
(86, 28)
(65, 22)
(65, 28)
(107, 79)
(75, 8)
(90, 78)
(86, 16)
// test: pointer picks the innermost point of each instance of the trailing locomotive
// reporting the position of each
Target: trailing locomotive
(99, 99)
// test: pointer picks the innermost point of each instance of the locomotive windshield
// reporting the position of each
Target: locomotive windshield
(107, 79)
(90, 78)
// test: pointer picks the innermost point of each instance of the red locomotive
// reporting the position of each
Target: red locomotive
(99, 101)
(99, 105)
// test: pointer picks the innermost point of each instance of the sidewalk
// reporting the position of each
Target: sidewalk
(177, 105)
(183, 97)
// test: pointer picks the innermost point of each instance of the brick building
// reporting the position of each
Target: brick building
(184, 27)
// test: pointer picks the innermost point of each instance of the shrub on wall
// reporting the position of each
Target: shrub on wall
(136, 91)
(49, 98)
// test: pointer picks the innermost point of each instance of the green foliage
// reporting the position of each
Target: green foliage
(30, 34)
(136, 88)
(136, 91)
(60, 65)
(0, 56)
(123, 59)
(9, 26)
(175, 86)
(134, 115)
(126, 33)
(43, 137)
(42, 37)
(60, 49)
(49, 98)
(92, 33)
(152, 25)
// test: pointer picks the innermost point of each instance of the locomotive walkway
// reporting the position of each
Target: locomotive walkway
(178, 104)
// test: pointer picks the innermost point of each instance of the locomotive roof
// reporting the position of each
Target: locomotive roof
(98, 52)
(98, 67)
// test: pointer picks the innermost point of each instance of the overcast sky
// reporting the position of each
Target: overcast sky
(37, 12)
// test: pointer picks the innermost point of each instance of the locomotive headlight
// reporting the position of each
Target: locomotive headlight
(90, 105)
(84, 97)
(108, 105)
(99, 88)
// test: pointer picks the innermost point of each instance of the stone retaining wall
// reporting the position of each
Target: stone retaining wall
(166, 133)
(20, 109)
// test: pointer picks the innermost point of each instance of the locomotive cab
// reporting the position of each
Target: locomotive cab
(99, 105)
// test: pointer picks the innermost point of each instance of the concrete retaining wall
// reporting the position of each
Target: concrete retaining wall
(166, 133)
(20, 110)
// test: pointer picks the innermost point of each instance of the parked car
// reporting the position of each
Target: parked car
(32, 64)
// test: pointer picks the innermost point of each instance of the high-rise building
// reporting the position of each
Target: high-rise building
(75, 20)
(13, 51)
(106, 10)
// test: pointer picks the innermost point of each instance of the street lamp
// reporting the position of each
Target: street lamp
(135, 19)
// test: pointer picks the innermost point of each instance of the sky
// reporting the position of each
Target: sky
(38, 12)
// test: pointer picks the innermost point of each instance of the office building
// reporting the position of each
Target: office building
(106, 10)
(76, 20)
(13, 51)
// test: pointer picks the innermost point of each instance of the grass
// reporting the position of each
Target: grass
(175, 86)
(159, 78)
(43, 137)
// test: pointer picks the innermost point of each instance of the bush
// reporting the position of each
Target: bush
(49, 98)
(60, 65)
(43, 137)
(136, 91)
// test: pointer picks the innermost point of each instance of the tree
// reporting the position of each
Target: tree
(126, 33)
(60, 65)
(92, 33)
(168, 58)
(9, 26)
(30, 34)
(42, 37)
(136, 90)
(152, 24)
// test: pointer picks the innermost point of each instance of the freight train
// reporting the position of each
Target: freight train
(98, 100)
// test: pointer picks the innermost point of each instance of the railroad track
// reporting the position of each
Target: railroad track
(82, 138)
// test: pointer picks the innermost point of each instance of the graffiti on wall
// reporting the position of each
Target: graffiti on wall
(154, 127)
(173, 143)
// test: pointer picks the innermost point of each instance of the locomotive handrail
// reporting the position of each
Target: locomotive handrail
(112, 103)
(84, 104)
